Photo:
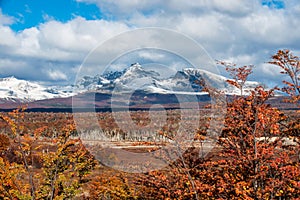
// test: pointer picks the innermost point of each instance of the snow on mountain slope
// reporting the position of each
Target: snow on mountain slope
(20, 90)
(218, 81)
(135, 77)
(131, 79)
(92, 82)
(186, 81)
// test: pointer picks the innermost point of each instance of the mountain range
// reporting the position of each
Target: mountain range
(133, 78)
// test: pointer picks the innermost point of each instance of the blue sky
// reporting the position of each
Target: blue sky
(48, 40)
(30, 13)
(277, 4)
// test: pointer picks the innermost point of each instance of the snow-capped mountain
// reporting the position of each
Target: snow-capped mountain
(214, 80)
(131, 79)
(92, 83)
(137, 78)
(13, 89)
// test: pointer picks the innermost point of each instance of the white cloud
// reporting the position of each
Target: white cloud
(53, 41)
(270, 70)
(7, 37)
(7, 65)
(79, 34)
(241, 31)
(272, 27)
(5, 20)
(124, 7)
(57, 75)
(245, 59)
(121, 8)
(59, 41)
(29, 42)
(151, 55)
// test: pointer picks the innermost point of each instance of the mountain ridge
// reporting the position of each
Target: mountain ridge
(130, 79)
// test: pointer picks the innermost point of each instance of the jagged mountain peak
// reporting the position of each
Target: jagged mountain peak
(135, 77)
(137, 70)
(86, 81)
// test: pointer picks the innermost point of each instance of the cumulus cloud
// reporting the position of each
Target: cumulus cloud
(66, 44)
(121, 8)
(245, 32)
(154, 40)
(154, 56)
(5, 20)
(79, 34)
(56, 75)
(7, 37)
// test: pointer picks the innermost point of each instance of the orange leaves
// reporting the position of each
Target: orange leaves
(252, 159)
(10, 184)
(39, 131)
(290, 65)
(242, 189)
(234, 83)
(112, 184)
(4, 142)
(239, 75)
(64, 166)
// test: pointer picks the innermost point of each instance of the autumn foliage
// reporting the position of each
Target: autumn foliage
(34, 167)
(256, 157)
